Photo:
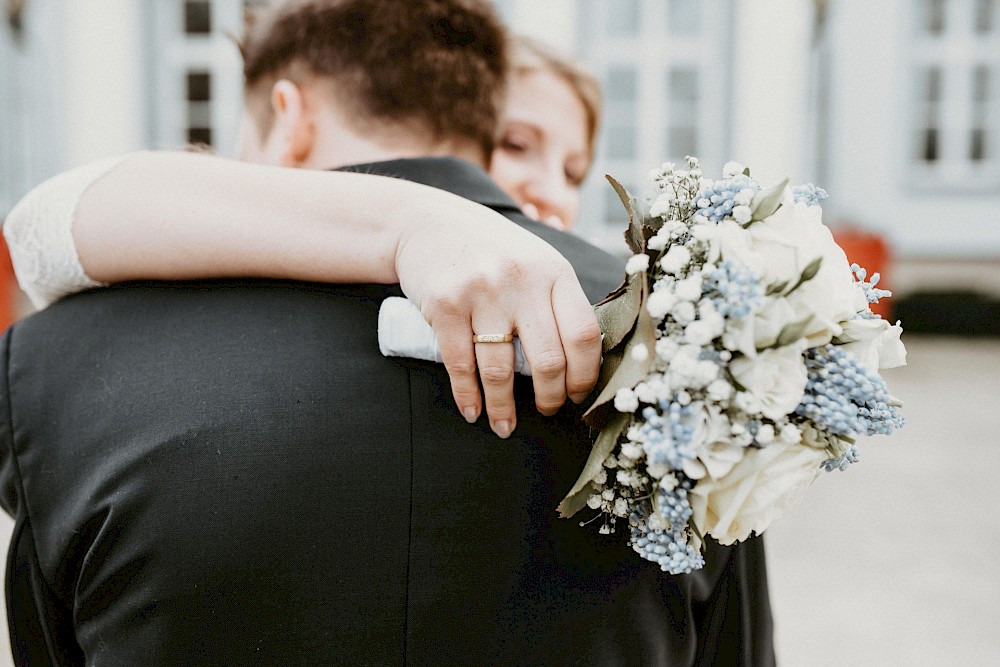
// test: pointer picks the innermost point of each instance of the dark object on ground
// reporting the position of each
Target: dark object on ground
(951, 313)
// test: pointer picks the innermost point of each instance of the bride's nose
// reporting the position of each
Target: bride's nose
(550, 201)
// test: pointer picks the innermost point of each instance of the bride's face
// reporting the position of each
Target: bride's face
(543, 153)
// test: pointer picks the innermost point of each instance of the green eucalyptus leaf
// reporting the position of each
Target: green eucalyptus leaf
(633, 234)
(811, 270)
(616, 315)
(631, 370)
(776, 288)
(792, 331)
(766, 202)
(808, 273)
(577, 497)
(575, 502)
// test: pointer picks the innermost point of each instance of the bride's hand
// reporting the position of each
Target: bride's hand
(474, 272)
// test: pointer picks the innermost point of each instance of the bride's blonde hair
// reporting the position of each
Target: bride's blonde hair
(530, 55)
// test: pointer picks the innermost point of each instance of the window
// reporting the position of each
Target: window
(954, 127)
(979, 133)
(622, 17)
(199, 111)
(985, 11)
(197, 17)
(929, 135)
(195, 76)
(934, 11)
(622, 89)
(666, 68)
(683, 17)
(682, 112)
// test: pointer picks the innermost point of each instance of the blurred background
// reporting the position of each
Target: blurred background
(892, 106)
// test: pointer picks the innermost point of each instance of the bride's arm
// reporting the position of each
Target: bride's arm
(183, 215)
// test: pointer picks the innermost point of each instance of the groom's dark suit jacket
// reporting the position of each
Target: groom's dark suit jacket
(229, 473)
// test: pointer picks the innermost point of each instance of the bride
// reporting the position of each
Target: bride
(200, 216)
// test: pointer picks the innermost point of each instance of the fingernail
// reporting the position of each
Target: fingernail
(578, 398)
(502, 428)
(470, 414)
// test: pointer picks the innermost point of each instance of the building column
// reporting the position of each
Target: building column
(771, 89)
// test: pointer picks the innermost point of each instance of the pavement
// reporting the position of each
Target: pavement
(894, 562)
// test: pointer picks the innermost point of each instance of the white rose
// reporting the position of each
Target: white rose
(788, 241)
(715, 450)
(875, 343)
(762, 329)
(764, 485)
(776, 377)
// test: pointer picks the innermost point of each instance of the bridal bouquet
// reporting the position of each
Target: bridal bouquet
(740, 359)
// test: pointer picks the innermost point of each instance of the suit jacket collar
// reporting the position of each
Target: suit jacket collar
(452, 174)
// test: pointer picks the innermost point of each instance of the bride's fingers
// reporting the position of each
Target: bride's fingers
(543, 350)
(496, 371)
(454, 337)
(580, 336)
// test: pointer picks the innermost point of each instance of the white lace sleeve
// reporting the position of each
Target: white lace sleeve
(39, 233)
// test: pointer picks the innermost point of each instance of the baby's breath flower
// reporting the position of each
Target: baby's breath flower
(626, 400)
(637, 263)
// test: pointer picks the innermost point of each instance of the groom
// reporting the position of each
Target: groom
(229, 472)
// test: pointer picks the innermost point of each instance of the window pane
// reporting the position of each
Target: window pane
(934, 16)
(978, 136)
(929, 145)
(622, 17)
(985, 11)
(929, 136)
(683, 85)
(197, 17)
(199, 135)
(199, 115)
(620, 143)
(622, 84)
(199, 86)
(684, 17)
(683, 142)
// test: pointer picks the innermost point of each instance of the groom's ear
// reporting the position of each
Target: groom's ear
(294, 131)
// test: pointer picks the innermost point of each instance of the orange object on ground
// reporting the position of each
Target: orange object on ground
(871, 252)
(8, 288)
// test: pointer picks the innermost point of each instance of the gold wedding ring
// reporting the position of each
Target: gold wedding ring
(493, 338)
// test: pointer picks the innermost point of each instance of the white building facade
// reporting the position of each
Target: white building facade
(891, 106)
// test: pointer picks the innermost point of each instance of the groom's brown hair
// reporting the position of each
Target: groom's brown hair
(435, 67)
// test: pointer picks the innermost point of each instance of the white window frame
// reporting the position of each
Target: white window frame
(653, 53)
(173, 54)
(956, 52)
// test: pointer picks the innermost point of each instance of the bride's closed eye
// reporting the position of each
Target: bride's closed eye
(518, 142)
